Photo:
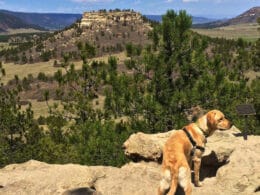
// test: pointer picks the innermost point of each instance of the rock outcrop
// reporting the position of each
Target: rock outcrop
(141, 146)
(148, 147)
(230, 166)
(112, 17)
(35, 177)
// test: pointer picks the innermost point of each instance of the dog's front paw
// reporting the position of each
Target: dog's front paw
(198, 184)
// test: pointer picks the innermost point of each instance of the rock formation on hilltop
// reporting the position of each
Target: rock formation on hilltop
(230, 166)
(106, 32)
(90, 19)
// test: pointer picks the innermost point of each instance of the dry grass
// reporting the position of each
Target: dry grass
(99, 102)
(21, 31)
(4, 46)
(245, 31)
(45, 67)
(252, 75)
(40, 108)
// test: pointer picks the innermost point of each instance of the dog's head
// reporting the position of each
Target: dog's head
(212, 121)
(216, 120)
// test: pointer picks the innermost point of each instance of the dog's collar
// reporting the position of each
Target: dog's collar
(193, 142)
(203, 132)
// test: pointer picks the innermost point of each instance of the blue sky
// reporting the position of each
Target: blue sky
(206, 8)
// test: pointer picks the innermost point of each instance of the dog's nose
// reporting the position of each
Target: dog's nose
(230, 122)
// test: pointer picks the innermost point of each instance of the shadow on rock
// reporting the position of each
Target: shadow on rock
(82, 191)
(210, 165)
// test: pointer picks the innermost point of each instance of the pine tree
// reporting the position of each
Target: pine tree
(19, 133)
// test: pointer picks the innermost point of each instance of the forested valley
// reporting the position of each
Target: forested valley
(179, 70)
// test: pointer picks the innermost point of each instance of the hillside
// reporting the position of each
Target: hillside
(51, 21)
(8, 22)
(247, 31)
(249, 16)
(102, 32)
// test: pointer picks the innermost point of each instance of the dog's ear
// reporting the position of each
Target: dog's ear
(211, 121)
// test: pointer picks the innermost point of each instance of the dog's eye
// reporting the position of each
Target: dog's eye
(221, 119)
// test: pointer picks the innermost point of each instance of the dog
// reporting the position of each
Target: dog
(186, 146)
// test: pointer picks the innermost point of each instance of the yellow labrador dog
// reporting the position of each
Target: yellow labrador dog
(185, 146)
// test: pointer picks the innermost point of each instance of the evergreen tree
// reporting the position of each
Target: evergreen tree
(19, 133)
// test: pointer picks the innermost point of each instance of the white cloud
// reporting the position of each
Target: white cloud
(92, 1)
(2, 2)
(187, 1)
(137, 2)
(169, 1)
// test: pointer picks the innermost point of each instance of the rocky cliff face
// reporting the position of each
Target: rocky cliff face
(90, 19)
(230, 166)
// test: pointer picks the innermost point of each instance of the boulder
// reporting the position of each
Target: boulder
(230, 166)
(148, 147)
(240, 174)
(34, 177)
(132, 179)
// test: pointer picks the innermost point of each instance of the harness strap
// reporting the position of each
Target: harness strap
(202, 149)
(189, 136)
(194, 144)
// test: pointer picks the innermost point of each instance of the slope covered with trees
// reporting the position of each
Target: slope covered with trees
(109, 34)
(179, 70)
(51, 21)
(8, 22)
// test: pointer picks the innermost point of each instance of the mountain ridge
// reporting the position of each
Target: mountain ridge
(58, 21)
(107, 32)
(195, 19)
(249, 16)
(51, 21)
(8, 21)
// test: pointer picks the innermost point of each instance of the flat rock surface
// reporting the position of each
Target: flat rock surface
(236, 171)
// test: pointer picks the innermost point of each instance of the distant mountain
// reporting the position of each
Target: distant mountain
(8, 21)
(156, 18)
(249, 16)
(124, 27)
(195, 19)
(57, 21)
(201, 20)
(51, 21)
